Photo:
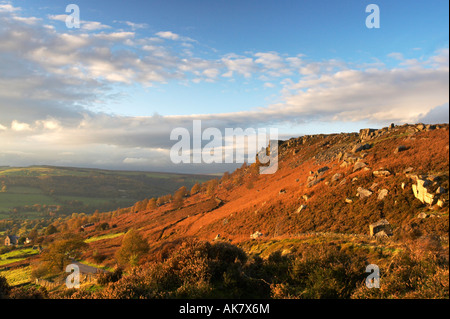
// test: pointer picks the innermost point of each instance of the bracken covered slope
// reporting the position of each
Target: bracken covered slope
(328, 185)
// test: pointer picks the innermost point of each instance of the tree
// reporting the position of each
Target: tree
(133, 248)
(60, 252)
(151, 204)
(212, 186)
(195, 189)
(50, 230)
(179, 196)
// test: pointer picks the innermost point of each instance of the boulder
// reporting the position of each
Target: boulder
(358, 166)
(420, 126)
(314, 182)
(381, 173)
(382, 194)
(408, 170)
(336, 177)
(256, 235)
(400, 148)
(363, 192)
(422, 215)
(302, 207)
(323, 169)
(360, 147)
(421, 192)
(348, 200)
(441, 190)
(381, 225)
(366, 133)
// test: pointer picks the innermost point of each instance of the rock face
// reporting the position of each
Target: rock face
(381, 228)
(421, 192)
(366, 133)
(363, 192)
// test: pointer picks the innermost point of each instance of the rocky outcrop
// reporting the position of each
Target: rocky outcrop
(366, 133)
(421, 191)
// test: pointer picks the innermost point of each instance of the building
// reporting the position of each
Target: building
(11, 240)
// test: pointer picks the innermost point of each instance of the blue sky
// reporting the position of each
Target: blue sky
(304, 67)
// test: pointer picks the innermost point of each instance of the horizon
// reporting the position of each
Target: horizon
(108, 94)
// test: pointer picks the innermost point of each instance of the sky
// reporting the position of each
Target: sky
(109, 93)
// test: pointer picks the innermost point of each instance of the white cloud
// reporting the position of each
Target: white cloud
(93, 25)
(50, 82)
(169, 35)
(18, 126)
(7, 7)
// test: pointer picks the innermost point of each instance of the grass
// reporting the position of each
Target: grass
(11, 199)
(85, 262)
(102, 237)
(17, 276)
(16, 255)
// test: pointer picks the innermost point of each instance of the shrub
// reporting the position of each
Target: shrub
(133, 248)
(4, 288)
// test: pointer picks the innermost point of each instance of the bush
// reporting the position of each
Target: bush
(4, 288)
(133, 248)
(28, 293)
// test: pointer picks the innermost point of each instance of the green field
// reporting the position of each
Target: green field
(44, 191)
(17, 276)
(107, 236)
(21, 196)
(16, 255)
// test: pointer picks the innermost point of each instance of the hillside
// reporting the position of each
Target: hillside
(327, 191)
(270, 204)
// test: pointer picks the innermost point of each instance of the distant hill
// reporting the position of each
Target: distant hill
(39, 191)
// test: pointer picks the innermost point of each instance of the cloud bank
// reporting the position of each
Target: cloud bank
(53, 82)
